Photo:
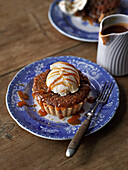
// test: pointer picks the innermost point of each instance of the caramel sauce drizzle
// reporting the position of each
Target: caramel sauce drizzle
(42, 112)
(65, 73)
(72, 74)
(89, 19)
(80, 4)
(105, 38)
(20, 84)
(58, 84)
(70, 80)
(61, 117)
(74, 120)
(65, 68)
(53, 83)
(53, 74)
(39, 91)
(23, 96)
(70, 85)
(64, 90)
(21, 103)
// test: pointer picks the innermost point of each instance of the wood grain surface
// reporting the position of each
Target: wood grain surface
(26, 35)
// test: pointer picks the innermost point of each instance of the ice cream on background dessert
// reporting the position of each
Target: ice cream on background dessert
(90, 9)
(71, 7)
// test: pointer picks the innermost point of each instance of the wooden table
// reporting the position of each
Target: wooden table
(26, 35)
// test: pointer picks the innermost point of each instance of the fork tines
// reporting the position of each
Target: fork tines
(105, 92)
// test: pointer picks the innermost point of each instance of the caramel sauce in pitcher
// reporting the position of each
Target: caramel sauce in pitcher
(116, 28)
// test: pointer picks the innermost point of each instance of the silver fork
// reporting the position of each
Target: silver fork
(77, 139)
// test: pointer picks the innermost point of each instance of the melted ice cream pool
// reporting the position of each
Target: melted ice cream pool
(63, 78)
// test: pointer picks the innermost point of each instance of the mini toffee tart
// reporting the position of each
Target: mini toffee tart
(62, 90)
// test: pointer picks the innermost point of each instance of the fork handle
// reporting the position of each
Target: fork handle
(77, 139)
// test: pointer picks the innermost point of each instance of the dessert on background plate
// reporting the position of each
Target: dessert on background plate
(94, 10)
(62, 90)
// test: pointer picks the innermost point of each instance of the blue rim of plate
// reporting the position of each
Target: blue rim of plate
(74, 27)
(28, 119)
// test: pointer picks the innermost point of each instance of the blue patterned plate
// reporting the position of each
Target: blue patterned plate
(75, 27)
(51, 127)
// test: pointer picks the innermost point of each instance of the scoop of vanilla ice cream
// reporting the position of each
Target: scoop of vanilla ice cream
(69, 7)
(63, 78)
